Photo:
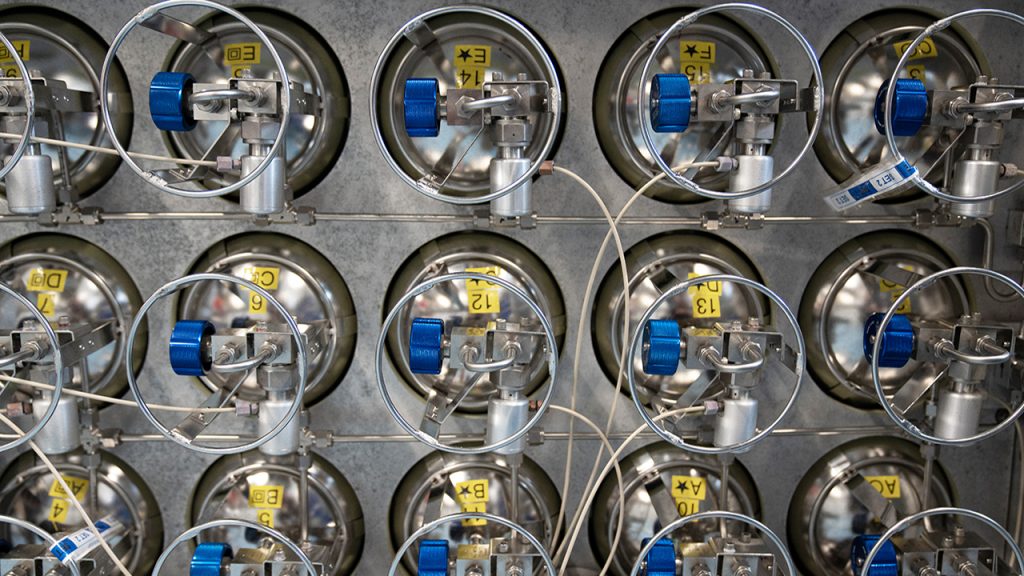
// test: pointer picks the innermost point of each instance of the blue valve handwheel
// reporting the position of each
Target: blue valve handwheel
(661, 560)
(426, 342)
(670, 103)
(420, 102)
(910, 107)
(433, 558)
(186, 347)
(169, 107)
(884, 564)
(897, 340)
(660, 354)
(208, 559)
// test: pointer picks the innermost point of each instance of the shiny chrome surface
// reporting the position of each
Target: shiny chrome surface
(824, 516)
(640, 468)
(427, 492)
(66, 49)
(335, 516)
(856, 64)
(842, 294)
(308, 286)
(654, 265)
(511, 54)
(114, 488)
(450, 302)
(615, 113)
(314, 143)
(96, 289)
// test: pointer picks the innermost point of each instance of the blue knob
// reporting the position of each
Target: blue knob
(661, 560)
(661, 347)
(168, 101)
(426, 340)
(670, 102)
(208, 559)
(897, 340)
(884, 563)
(909, 107)
(422, 115)
(433, 558)
(186, 347)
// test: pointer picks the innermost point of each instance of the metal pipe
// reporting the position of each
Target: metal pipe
(207, 96)
(965, 107)
(486, 103)
(987, 258)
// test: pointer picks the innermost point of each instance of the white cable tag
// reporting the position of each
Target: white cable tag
(76, 545)
(879, 180)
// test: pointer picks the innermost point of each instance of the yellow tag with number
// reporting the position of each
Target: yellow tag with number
(265, 277)
(265, 517)
(46, 280)
(895, 291)
(59, 511)
(472, 491)
(706, 296)
(887, 486)
(241, 56)
(475, 507)
(44, 303)
(22, 48)
(484, 297)
(689, 492)
(79, 486)
(266, 496)
(925, 49)
(471, 64)
(695, 60)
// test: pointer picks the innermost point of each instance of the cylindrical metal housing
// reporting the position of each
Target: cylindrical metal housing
(505, 417)
(63, 433)
(287, 441)
(974, 178)
(736, 422)
(959, 414)
(30, 188)
(752, 171)
(265, 194)
(518, 202)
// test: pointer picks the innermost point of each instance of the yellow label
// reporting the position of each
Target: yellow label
(895, 291)
(887, 486)
(690, 487)
(471, 63)
(22, 48)
(59, 511)
(265, 517)
(484, 297)
(695, 60)
(266, 496)
(687, 506)
(247, 53)
(475, 507)
(472, 491)
(706, 296)
(916, 71)
(45, 280)
(44, 302)
(925, 49)
(79, 486)
(265, 277)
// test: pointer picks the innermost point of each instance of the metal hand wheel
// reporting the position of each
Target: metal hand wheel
(435, 359)
(177, 285)
(663, 350)
(153, 17)
(647, 92)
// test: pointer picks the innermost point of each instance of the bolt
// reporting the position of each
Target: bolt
(522, 76)
(497, 77)
(729, 547)
(503, 547)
